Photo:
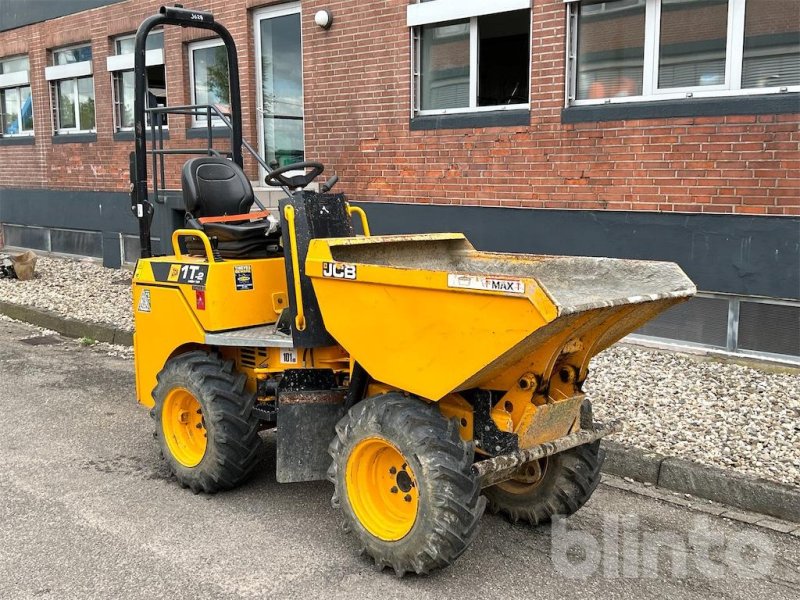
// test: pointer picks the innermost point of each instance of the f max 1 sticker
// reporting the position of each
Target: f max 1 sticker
(288, 356)
(487, 284)
(243, 277)
(144, 302)
(338, 270)
(180, 273)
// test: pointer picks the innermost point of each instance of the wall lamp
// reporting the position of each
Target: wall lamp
(324, 18)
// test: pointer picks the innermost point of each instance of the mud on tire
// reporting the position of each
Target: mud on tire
(233, 445)
(449, 500)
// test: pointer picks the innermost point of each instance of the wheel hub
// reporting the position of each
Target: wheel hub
(382, 489)
(184, 427)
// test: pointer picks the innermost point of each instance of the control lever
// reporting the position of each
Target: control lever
(326, 187)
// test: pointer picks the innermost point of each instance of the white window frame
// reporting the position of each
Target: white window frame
(15, 81)
(650, 91)
(444, 11)
(55, 74)
(116, 64)
(201, 121)
(270, 12)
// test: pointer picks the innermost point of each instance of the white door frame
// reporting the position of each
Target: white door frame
(278, 10)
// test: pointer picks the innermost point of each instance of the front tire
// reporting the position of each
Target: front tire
(403, 480)
(204, 423)
(559, 485)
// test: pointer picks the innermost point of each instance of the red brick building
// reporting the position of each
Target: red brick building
(663, 129)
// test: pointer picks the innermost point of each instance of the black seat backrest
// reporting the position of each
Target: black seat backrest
(214, 186)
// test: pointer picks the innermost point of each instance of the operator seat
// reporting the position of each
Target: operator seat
(215, 187)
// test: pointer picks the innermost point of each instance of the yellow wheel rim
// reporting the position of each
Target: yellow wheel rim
(382, 489)
(184, 428)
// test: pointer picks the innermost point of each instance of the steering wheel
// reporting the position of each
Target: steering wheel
(276, 178)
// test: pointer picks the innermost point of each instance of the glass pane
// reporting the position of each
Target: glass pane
(444, 76)
(692, 56)
(155, 40)
(72, 55)
(66, 104)
(27, 108)
(124, 87)
(12, 65)
(86, 102)
(9, 111)
(282, 89)
(610, 50)
(126, 45)
(211, 75)
(504, 58)
(771, 44)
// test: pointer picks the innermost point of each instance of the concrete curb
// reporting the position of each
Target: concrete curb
(64, 326)
(746, 492)
(678, 475)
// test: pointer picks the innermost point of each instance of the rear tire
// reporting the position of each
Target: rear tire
(567, 481)
(199, 393)
(433, 477)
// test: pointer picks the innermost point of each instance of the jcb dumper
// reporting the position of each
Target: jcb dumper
(421, 377)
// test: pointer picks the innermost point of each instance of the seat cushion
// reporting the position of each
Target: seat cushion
(229, 232)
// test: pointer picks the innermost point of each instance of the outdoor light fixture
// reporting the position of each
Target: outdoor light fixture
(324, 18)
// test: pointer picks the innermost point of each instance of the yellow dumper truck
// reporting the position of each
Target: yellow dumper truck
(423, 378)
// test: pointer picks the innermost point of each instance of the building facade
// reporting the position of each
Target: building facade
(656, 129)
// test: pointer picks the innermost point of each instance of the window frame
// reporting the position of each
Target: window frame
(198, 122)
(154, 57)
(731, 88)
(54, 82)
(16, 84)
(270, 12)
(415, 35)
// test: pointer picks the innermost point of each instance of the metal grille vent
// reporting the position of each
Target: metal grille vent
(771, 328)
(700, 320)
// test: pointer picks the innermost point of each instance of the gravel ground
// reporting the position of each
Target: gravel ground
(744, 418)
(718, 413)
(79, 289)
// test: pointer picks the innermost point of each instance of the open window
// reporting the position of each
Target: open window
(470, 56)
(120, 64)
(72, 90)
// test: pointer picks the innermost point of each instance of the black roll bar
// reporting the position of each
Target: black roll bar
(174, 15)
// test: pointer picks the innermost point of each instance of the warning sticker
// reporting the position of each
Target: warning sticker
(488, 284)
(243, 277)
(289, 356)
(144, 301)
(174, 272)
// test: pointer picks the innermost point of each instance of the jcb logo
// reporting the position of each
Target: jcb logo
(338, 270)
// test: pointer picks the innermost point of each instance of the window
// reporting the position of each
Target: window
(72, 90)
(208, 73)
(121, 67)
(627, 50)
(279, 77)
(16, 103)
(470, 55)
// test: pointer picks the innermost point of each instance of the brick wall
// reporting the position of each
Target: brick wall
(357, 107)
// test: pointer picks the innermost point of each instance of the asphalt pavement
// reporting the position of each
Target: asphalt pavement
(88, 510)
